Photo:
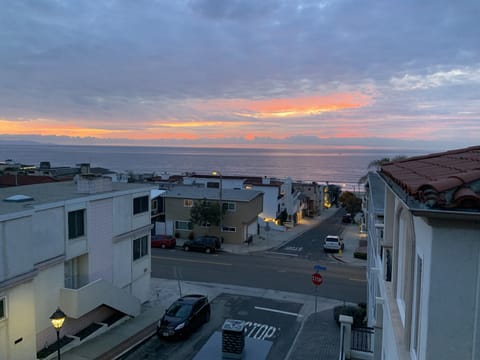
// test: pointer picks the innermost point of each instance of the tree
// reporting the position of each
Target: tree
(351, 203)
(204, 212)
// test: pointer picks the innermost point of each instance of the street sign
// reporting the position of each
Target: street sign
(317, 279)
(319, 267)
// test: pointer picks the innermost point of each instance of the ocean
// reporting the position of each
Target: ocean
(342, 166)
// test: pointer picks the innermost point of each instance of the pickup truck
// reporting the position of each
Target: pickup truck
(333, 243)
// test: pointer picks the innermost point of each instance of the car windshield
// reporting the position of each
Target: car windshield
(179, 310)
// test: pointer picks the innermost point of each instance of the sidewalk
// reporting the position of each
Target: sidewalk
(111, 344)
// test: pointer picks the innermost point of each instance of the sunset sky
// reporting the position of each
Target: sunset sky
(241, 72)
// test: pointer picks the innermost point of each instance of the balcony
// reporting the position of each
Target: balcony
(78, 302)
(355, 342)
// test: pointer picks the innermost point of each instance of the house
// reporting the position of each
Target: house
(279, 194)
(423, 222)
(82, 246)
(313, 199)
(238, 222)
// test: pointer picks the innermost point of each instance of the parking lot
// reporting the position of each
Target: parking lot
(270, 329)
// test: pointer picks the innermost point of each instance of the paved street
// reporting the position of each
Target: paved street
(274, 268)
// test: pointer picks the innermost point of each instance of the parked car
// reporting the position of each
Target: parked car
(164, 241)
(208, 244)
(333, 243)
(347, 218)
(184, 316)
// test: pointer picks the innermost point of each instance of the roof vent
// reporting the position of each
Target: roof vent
(18, 198)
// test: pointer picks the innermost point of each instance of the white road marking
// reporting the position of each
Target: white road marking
(294, 248)
(279, 253)
(260, 331)
(193, 261)
(278, 311)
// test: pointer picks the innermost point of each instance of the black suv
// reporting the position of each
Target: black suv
(184, 316)
(208, 244)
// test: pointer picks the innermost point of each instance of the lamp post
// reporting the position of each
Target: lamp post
(218, 173)
(57, 319)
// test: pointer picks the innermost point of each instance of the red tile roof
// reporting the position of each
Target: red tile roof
(449, 179)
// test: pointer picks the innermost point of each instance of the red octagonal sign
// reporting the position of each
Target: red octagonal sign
(317, 279)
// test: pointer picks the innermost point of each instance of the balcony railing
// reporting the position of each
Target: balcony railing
(362, 339)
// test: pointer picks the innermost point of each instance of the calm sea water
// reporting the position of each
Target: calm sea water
(343, 166)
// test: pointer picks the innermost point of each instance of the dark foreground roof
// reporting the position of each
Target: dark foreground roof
(447, 180)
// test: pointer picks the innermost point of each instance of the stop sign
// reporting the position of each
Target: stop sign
(317, 279)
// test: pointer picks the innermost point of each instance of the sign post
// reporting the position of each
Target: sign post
(317, 280)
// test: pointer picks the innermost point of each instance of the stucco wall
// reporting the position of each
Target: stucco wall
(48, 234)
(16, 254)
(99, 217)
(20, 325)
(453, 324)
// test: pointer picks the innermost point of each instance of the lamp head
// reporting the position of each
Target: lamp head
(57, 318)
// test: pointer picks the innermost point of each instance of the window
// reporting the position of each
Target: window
(3, 308)
(229, 229)
(417, 311)
(183, 225)
(76, 224)
(206, 225)
(140, 205)
(140, 247)
(213, 185)
(154, 205)
(187, 203)
(229, 206)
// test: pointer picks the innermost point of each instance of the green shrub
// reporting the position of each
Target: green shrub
(356, 312)
(360, 253)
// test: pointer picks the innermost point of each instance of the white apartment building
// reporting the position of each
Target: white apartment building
(423, 220)
(83, 247)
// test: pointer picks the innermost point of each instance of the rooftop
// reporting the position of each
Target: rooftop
(446, 180)
(43, 194)
(196, 192)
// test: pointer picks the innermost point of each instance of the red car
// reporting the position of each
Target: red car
(164, 241)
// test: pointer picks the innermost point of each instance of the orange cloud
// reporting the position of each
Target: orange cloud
(288, 107)
(196, 124)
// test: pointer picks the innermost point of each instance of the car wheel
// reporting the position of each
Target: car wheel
(163, 246)
(186, 248)
(208, 250)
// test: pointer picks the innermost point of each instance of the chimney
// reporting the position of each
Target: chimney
(84, 168)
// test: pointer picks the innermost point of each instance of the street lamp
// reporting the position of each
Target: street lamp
(218, 173)
(57, 319)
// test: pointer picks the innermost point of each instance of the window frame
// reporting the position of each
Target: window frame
(231, 229)
(188, 203)
(229, 206)
(140, 204)
(3, 308)
(76, 226)
(189, 225)
(142, 250)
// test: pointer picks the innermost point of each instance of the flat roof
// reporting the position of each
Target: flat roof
(196, 192)
(43, 194)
